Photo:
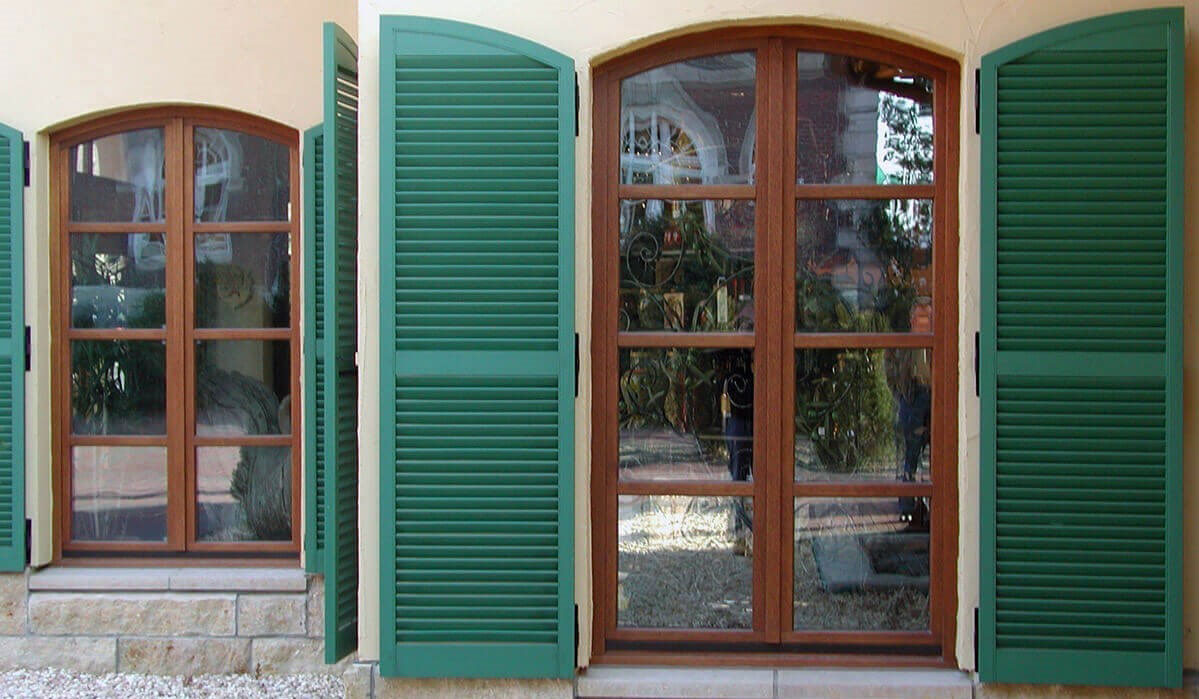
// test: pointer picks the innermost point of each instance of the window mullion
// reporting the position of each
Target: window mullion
(175, 337)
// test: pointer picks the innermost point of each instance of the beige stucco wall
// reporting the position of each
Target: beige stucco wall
(65, 60)
(595, 29)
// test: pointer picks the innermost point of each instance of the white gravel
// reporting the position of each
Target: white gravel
(60, 684)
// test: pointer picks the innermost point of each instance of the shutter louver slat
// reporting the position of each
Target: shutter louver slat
(314, 351)
(339, 299)
(1080, 355)
(12, 351)
(477, 215)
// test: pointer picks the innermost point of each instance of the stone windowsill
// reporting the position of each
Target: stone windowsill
(72, 579)
(769, 683)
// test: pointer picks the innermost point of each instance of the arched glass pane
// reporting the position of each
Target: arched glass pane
(240, 177)
(861, 122)
(690, 122)
(120, 177)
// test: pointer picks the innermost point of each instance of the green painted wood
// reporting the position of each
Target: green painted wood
(12, 351)
(314, 351)
(1081, 354)
(339, 294)
(477, 303)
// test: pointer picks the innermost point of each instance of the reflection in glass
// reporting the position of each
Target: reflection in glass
(240, 177)
(119, 493)
(862, 414)
(118, 387)
(686, 414)
(121, 177)
(864, 265)
(690, 122)
(860, 564)
(242, 280)
(862, 122)
(685, 562)
(243, 387)
(243, 494)
(686, 265)
(115, 283)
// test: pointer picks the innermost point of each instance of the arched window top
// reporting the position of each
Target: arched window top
(118, 165)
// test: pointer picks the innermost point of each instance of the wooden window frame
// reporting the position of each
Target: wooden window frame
(180, 336)
(775, 192)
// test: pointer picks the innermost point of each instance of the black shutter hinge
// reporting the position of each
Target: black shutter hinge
(576, 105)
(576, 635)
(28, 348)
(576, 365)
(28, 541)
(25, 151)
(977, 380)
(978, 101)
(976, 639)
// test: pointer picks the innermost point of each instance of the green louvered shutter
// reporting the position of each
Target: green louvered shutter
(12, 352)
(1081, 369)
(477, 227)
(314, 354)
(339, 293)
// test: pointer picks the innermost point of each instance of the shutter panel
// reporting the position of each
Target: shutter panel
(340, 295)
(477, 434)
(314, 352)
(1081, 354)
(12, 351)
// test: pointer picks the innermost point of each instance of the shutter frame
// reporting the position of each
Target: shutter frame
(451, 655)
(13, 554)
(1159, 29)
(340, 202)
(314, 457)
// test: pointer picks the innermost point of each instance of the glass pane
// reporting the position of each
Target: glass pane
(685, 562)
(243, 493)
(686, 265)
(118, 281)
(862, 122)
(862, 414)
(690, 122)
(240, 177)
(121, 177)
(118, 387)
(864, 266)
(119, 493)
(861, 564)
(243, 387)
(686, 414)
(243, 280)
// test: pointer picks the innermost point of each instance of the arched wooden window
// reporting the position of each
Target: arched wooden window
(775, 346)
(175, 335)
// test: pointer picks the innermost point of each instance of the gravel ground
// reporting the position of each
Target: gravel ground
(60, 684)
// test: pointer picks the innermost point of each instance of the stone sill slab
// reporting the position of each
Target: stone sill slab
(765, 683)
(71, 579)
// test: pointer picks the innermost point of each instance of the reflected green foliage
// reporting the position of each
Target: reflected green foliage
(674, 268)
(843, 403)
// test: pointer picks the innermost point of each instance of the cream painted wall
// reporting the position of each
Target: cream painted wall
(591, 30)
(65, 60)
